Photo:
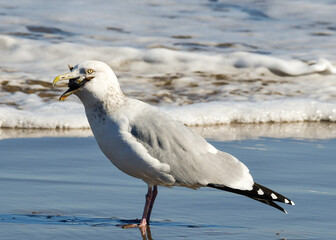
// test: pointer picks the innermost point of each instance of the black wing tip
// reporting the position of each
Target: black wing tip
(270, 194)
(259, 193)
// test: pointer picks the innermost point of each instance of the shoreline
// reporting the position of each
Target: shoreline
(226, 132)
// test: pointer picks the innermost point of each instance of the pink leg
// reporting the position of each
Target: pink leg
(150, 198)
(155, 192)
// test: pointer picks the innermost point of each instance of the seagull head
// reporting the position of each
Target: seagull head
(88, 77)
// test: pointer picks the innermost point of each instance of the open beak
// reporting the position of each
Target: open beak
(75, 83)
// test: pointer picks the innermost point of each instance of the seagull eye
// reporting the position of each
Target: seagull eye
(89, 71)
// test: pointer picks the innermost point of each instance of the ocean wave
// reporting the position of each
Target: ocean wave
(163, 76)
(216, 113)
(34, 57)
(240, 87)
(70, 115)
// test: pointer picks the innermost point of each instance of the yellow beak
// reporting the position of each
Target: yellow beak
(64, 77)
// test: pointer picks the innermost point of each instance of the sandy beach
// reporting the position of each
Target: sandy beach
(55, 187)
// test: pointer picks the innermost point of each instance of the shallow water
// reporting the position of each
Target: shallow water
(63, 187)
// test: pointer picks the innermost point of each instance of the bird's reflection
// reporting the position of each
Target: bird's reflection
(146, 233)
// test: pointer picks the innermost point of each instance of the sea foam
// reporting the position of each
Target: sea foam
(216, 113)
(278, 79)
(70, 115)
(42, 59)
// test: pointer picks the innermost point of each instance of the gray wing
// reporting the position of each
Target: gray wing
(193, 161)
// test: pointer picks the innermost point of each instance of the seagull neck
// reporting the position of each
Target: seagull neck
(109, 102)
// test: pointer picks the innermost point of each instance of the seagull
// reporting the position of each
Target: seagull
(148, 144)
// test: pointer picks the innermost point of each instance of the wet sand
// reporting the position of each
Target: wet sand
(60, 187)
